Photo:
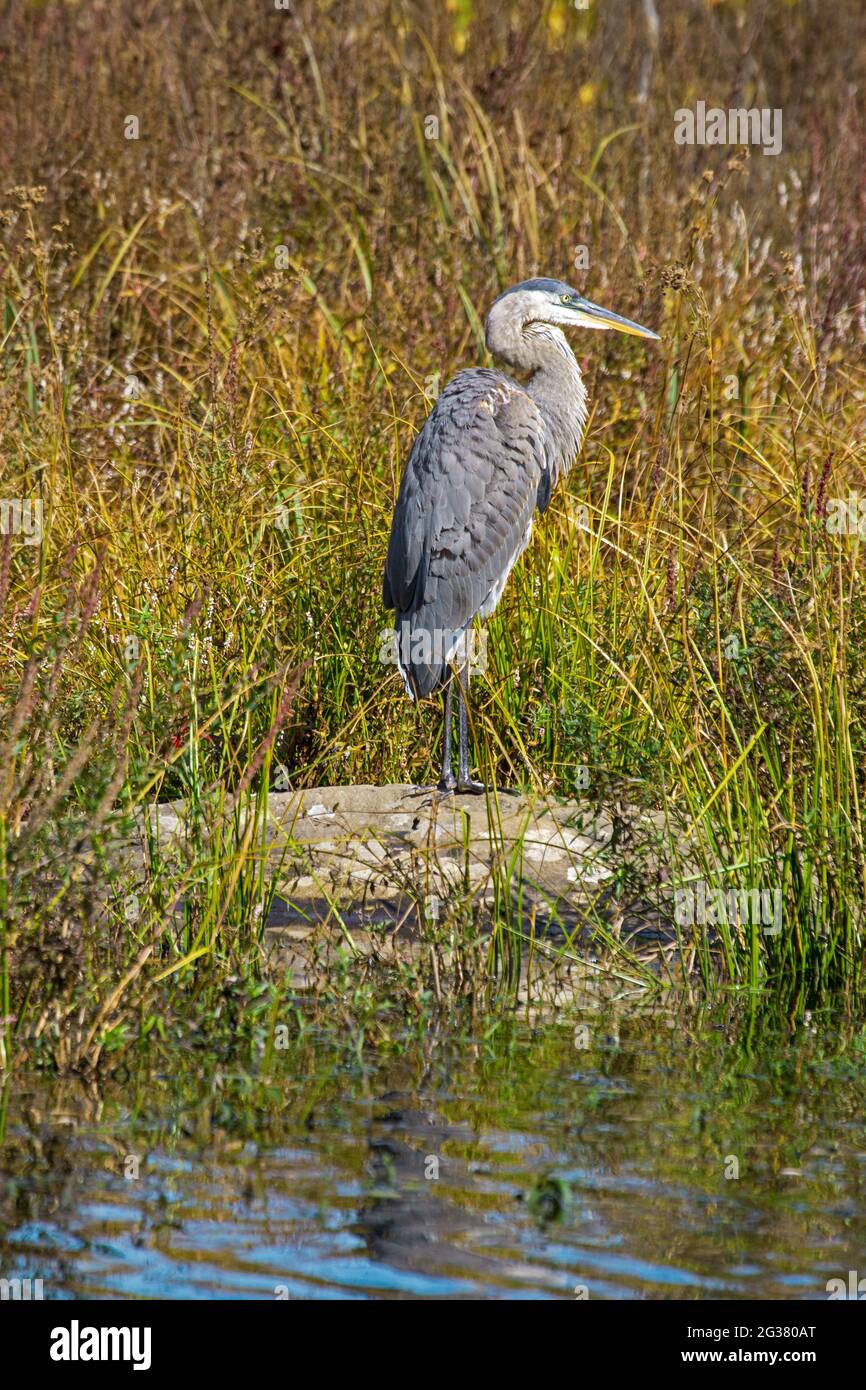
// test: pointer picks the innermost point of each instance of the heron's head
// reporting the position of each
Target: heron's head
(550, 302)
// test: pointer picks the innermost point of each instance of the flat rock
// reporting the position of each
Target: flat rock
(400, 868)
(362, 843)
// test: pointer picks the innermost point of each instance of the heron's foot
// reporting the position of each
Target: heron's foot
(466, 786)
(469, 787)
(431, 794)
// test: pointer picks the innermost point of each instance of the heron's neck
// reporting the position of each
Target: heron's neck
(556, 384)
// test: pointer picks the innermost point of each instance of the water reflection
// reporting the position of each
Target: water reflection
(685, 1156)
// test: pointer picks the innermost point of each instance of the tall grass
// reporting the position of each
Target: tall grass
(219, 339)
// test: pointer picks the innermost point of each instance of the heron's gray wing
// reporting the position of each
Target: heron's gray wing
(463, 514)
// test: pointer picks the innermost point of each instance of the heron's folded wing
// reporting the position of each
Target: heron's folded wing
(467, 498)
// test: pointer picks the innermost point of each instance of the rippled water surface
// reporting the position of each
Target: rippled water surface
(665, 1156)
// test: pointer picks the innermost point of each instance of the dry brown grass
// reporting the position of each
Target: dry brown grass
(218, 338)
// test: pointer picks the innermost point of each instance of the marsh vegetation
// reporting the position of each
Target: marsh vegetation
(242, 247)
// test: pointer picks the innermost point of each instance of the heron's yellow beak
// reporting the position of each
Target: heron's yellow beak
(589, 315)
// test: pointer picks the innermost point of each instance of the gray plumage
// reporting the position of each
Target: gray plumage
(487, 458)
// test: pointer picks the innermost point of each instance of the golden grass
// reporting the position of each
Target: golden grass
(220, 339)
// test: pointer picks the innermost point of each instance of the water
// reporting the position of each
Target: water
(536, 1163)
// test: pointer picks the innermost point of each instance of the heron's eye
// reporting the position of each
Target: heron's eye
(565, 298)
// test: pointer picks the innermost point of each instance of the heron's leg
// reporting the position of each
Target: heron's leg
(447, 780)
(465, 783)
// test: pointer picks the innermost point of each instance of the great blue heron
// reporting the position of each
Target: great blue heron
(490, 453)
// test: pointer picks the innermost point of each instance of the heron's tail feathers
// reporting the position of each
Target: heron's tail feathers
(426, 654)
